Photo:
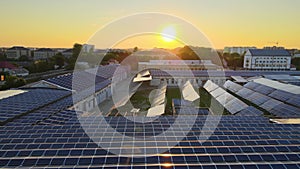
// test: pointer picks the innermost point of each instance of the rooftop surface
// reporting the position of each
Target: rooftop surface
(39, 129)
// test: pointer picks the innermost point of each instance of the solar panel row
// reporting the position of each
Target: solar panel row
(24, 103)
(228, 101)
(215, 73)
(236, 141)
(252, 92)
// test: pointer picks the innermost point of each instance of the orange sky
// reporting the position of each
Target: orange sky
(48, 23)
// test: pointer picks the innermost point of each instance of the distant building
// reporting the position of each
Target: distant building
(68, 53)
(88, 48)
(239, 50)
(266, 59)
(11, 69)
(43, 54)
(178, 65)
(17, 51)
(274, 48)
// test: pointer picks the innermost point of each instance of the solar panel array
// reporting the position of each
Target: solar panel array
(215, 73)
(275, 102)
(82, 80)
(26, 102)
(108, 71)
(280, 95)
(284, 78)
(237, 142)
(250, 111)
(228, 101)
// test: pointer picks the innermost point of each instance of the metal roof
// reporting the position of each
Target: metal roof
(267, 52)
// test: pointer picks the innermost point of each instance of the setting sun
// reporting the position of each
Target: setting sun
(168, 34)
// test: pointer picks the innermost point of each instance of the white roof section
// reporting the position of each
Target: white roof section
(277, 85)
(9, 93)
(189, 93)
(143, 76)
(142, 79)
(239, 79)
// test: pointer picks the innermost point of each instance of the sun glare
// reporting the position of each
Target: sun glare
(168, 34)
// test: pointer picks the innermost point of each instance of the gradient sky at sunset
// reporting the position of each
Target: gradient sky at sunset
(61, 23)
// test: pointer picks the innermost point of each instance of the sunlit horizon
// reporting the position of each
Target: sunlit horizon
(60, 24)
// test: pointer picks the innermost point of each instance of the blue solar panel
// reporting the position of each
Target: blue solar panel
(29, 101)
(237, 140)
(257, 98)
(82, 80)
(250, 111)
(244, 92)
(281, 95)
(285, 110)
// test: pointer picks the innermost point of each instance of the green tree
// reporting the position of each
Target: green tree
(23, 58)
(59, 60)
(109, 56)
(296, 62)
(13, 82)
(76, 50)
(186, 53)
(2, 57)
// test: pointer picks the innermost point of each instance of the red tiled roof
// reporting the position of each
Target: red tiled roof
(5, 64)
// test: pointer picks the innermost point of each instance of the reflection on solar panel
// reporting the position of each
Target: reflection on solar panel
(250, 111)
(281, 95)
(273, 106)
(210, 86)
(224, 98)
(217, 92)
(232, 104)
(235, 106)
(284, 110)
(270, 104)
(233, 87)
(277, 85)
(257, 98)
(156, 110)
(251, 85)
(157, 101)
(264, 89)
(188, 92)
(244, 92)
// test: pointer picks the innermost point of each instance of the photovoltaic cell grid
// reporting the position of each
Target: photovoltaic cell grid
(257, 98)
(215, 73)
(234, 87)
(177, 103)
(237, 141)
(280, 95)
(284, 110)
(275, 107)
(21, 104)
(250, 111)
(36, 116)
(231, 103)
(192, 111)
(83, 80)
